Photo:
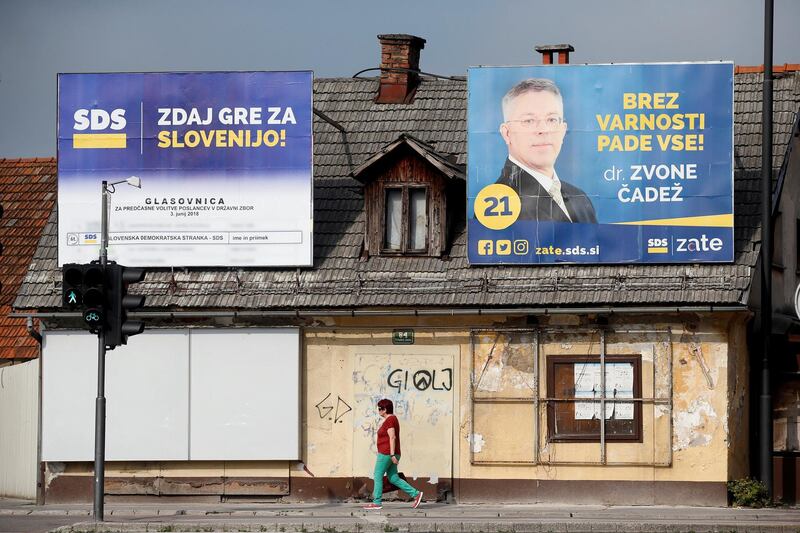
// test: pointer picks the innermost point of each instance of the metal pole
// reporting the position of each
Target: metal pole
(100, 430)
(100, 402)
(104, 226)
(765, 400)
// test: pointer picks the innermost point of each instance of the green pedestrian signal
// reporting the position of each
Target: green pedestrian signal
(72, 297)
(72, 286)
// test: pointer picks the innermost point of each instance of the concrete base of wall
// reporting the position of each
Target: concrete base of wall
(74, 489)
(592, 492)
(69, 489)
(529, 491)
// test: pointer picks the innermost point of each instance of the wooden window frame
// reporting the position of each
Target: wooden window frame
(553, 360)
(405, 230)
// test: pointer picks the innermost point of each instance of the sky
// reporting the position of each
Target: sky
(337, 38)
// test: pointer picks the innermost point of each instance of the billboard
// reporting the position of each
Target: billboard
(224, 160)
(600, 164)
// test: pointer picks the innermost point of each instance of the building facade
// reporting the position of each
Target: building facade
(494, 370)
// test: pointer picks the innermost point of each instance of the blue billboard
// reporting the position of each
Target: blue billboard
(223, 160)
(600, 164)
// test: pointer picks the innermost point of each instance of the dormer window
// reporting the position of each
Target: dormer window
(405, 226)
(406, 189)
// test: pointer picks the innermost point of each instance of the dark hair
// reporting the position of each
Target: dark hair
(387, 406)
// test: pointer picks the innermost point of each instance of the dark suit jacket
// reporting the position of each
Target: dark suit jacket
(537, 204)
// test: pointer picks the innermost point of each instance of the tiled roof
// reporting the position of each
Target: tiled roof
(437, 117)
(27, 193)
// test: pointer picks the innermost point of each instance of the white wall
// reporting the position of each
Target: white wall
(19, 408)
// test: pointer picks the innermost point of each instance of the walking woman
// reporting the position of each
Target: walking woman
(389, 457)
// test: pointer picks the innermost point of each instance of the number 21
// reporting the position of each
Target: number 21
(494, 203)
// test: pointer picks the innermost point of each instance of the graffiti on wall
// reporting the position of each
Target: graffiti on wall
(325, 408)
(401, 379)
(421, 387)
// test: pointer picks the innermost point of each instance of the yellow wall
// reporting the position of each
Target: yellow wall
(347, 372)
(690, 366)
(696, 366)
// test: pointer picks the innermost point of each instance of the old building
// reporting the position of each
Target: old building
(27, 196)
(479, 360)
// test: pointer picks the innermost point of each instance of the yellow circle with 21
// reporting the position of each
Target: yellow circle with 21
(497, 206)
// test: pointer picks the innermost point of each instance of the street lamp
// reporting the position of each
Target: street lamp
(108, 188)
(100, 402)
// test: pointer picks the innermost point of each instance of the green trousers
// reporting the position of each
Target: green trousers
(384, 465)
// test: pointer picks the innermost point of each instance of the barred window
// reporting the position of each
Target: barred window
(573, 378)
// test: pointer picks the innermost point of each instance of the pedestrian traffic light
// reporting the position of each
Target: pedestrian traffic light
(72, 286)
(118, 302)
(83, 288)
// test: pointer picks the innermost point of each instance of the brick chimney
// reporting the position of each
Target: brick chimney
(548, 50)
(399, 51)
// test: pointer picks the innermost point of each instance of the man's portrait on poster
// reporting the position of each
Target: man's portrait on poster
(533, 129)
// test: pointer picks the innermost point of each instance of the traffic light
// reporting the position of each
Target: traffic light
(118, 302)
(83, 288)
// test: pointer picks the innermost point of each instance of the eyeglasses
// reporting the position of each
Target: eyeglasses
(547, 124)
(381, 409)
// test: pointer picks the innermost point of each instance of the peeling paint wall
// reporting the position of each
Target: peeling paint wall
(700, 365)
(502, 389)
(686, 435)
(471, 406)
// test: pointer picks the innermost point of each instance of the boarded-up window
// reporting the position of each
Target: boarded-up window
(572, 378)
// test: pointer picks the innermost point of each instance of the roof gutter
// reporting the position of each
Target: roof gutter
(610, 310)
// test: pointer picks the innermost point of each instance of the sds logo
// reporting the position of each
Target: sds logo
(657, 246)
(99, 120)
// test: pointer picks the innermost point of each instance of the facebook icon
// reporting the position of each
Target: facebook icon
(485, 247)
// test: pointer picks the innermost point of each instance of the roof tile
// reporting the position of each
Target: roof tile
(27, 193)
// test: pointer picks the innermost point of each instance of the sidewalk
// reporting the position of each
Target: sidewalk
(397, 517)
